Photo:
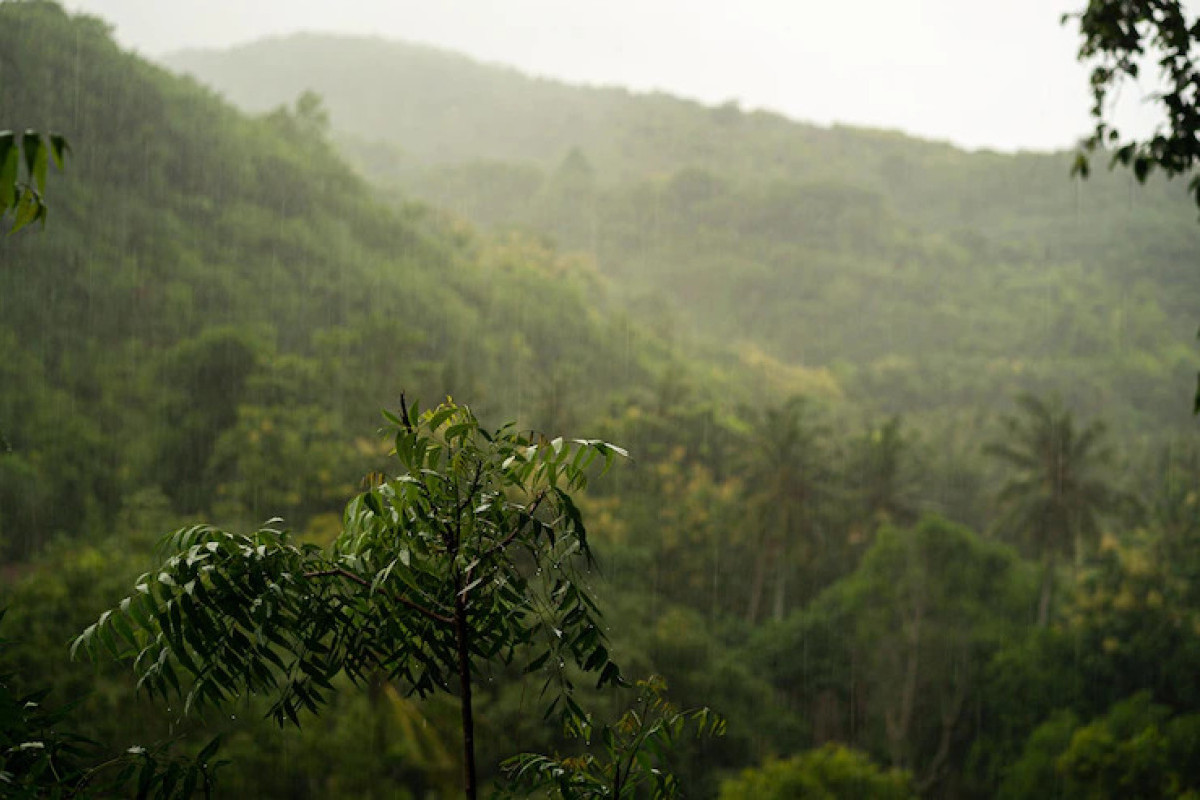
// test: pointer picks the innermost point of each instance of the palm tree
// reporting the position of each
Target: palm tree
(880, 476)
(1058, 490)
(788, 481)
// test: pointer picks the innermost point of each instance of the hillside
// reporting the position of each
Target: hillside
(208, 328)
(925, 278)
(836, 530)
(197, 257)
(437, 108)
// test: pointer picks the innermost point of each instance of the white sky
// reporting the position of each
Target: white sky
(979, 73)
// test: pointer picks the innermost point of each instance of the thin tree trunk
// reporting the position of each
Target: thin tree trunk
(898, 722)
(780, 588)
(949, 721)
(758, 582)
(1047, 590)
(464, 676)
(781, 565)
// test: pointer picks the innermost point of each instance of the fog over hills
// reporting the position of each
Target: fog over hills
(913, 499)
(873, 254)
(968, 72)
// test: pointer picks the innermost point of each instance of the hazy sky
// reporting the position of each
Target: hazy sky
(978, 73)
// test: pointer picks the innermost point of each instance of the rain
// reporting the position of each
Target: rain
(637, 400)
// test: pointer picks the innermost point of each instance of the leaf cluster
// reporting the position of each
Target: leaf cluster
(1059, 487)
(25, 195)
(634, 751)
(41, 757)
(479, 530)
(1118, 37)
(832, 771)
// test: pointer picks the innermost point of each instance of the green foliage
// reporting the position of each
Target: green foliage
(1035, 773)
(183, 287)
(634, 752)
(1140, 629)
(1118, 40)
(35, 757)
(882, 474)
(48, 443)
(1059, 489)
(1129, 628)
(1135, 750)
(1122, 756)
(465, 558)
(41, 758)
(928, 280)
(915, 626)
(24, 196)
(207, 335)
(206, 376)
(827, 773)
(789, 482)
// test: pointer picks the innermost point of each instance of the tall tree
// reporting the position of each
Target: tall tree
(891, 658)
(787, 480)
(880, 476)
(1059, 487)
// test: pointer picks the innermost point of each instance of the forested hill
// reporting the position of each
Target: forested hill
(438, 107)
(441, 107)
(922, 277)
(207, 329)
(208, 279)
(837, 529)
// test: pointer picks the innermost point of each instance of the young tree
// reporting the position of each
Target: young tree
(470, 555)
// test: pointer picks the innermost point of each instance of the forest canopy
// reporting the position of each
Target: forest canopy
(912, 502)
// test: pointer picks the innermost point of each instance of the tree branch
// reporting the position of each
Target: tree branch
(504, 543)
(470, 494)
(399, 598)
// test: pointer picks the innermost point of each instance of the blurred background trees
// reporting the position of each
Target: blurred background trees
(210, 335)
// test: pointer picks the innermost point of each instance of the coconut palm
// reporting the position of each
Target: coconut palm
(789, 481)
(880, 475)
(1060, 486)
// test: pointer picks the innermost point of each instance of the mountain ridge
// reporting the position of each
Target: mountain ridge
(181, 59)
(317, 46)
(893, 262)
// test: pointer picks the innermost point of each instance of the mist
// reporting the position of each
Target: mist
(407, 401)
(966, 73)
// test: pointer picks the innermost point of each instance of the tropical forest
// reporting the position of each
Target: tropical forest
(376, 422)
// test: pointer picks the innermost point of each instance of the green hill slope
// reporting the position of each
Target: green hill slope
(926, 278)
(208, 279)
(220, 305)
(207, 329)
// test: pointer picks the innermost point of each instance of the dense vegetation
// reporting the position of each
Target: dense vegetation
(838, 530)
(917, 276)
